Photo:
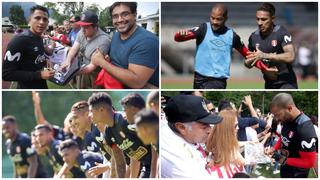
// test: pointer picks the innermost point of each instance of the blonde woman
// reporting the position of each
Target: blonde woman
(223, 145)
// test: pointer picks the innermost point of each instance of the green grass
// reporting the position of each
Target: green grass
(51, 85)
(269, 174)
(238, 85)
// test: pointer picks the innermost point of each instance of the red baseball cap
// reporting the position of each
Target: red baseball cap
(88, 18)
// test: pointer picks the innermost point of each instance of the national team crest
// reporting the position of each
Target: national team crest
(290, 134)
(18, 149)
(122, 134)
(274, 43)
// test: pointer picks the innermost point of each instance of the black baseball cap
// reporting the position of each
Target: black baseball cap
(88, 18)
(189, 108)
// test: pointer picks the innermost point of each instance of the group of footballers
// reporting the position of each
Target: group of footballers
(208, 142)
(96, 140)
(270, 50)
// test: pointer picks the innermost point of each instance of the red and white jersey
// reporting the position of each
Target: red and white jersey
(227, 171)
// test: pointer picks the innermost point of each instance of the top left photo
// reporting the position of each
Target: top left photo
(80, 45)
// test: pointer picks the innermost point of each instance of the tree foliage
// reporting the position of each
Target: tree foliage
(17, 15)
(61, 11)
(55, 105)
(306, 101)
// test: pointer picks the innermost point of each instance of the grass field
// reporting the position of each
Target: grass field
(232, 84)
(269, 173)
(7, 170)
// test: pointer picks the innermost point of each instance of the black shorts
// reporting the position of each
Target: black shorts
(204, 82)
(285, 85)
(287, 171)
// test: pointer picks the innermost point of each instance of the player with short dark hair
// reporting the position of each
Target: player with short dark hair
(297, 144)
(92, 137)
(147, 127)
(153, 101)
(215, 42)
(74, 157)
(25, 58)
(25, 160)
(132, 103)
(119, 137)
(45, 138)
(273, 44)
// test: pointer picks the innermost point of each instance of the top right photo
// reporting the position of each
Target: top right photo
(239, 45)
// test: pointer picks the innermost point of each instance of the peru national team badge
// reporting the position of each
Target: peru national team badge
(122, 134)
(18, 149)
(274, 43)
(290, 134)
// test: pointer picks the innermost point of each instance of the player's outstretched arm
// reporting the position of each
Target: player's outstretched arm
(37, 109)
(185, 35)
(244, 51)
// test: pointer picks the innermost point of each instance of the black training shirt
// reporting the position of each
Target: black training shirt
(23, 61)
(274, 43)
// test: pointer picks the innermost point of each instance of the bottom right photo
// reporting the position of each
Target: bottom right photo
(239, 134)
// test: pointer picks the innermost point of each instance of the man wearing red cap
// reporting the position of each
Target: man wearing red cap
(88, 39)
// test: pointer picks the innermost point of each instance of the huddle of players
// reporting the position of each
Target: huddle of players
(96, 141)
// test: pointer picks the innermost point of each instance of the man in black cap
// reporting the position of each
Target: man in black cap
(188, 125)
(88, 40)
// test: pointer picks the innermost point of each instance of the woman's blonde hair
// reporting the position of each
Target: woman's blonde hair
(222, 141)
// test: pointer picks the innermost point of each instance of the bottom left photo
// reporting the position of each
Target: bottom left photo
(80, 134)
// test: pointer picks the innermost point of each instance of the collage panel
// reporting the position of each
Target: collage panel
(239, 134)
(65, 134)
(80, 45)
(239, 45)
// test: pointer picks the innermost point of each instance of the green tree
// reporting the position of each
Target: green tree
(17, 15)
(105, 17)
(306, 101)
(64, 10)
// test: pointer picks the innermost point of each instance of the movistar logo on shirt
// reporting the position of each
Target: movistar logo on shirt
(9, 57)
(308, 145)
(125, 144)
(92, 147)
(287, 38)
(99, 138)
(86, 166)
